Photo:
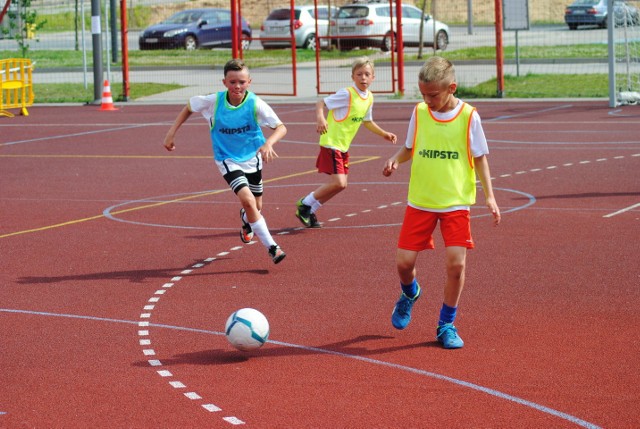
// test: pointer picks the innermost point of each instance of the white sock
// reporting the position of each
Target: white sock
(315, 206)
(309, 200)
(260, 229)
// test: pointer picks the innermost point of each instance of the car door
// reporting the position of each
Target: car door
(222, 28)
(322, 20)
(410, 24)
(207, 27)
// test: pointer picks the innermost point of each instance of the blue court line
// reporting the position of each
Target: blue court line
(472, 386)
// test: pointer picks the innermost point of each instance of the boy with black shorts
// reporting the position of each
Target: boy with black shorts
(239, 147)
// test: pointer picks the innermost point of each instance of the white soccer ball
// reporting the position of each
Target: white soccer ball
(247, 329)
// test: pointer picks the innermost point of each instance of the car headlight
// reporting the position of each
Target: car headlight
(173, 33)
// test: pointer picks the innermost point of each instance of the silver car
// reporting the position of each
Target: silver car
(278, 26)
(370, 25)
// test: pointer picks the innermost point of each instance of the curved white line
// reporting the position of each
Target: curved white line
(107, 212)
(462, 383)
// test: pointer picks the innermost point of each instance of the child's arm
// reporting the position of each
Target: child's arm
(180, 119)
(321, 121)
(266, 149)
(482, 170)
(402, 155)
(374, 128)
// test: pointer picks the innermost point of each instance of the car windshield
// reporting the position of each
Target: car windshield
(184, 17)
(282, 15)
(585, 2)
(353, 12)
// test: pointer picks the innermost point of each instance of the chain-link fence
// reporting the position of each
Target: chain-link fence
(548, 46)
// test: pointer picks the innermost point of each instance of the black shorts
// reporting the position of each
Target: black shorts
(238, 179)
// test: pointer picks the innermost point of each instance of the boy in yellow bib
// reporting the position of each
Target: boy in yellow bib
(348, 109)
(447, 146)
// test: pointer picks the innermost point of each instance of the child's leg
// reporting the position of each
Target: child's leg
(446, 333)
(254, 217)
(406, 262)
(337, 183)
(455, 264)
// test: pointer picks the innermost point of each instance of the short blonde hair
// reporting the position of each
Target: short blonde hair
(437, 69)
(361, 62)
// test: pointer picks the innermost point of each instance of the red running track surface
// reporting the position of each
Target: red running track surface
(121, 262)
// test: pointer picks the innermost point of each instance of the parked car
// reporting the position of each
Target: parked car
(194, 28)
(369, 25)
(625, 14)
(594, 12)
(278, 24)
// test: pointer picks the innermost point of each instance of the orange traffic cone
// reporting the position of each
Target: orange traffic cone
(107, 100)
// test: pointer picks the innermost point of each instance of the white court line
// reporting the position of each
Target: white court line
(459, 382)
(626, 209)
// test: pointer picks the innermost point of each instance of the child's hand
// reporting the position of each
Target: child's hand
(391, 137)
(169, 144)
(322, 126)
(389, 167)
(495, 211)
(267, 152)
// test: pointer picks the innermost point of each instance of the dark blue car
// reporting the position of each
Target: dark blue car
(194, 28)
(594, 12)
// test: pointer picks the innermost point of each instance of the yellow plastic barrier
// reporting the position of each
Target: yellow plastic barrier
(16, 88)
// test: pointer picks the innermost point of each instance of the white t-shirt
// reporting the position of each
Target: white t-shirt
(339, 103)
(477, 138)
(206, 106)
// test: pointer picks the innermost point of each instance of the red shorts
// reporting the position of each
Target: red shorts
(332, 161)
(418, 226)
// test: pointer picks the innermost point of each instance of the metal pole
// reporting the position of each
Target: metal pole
(234, 29)
(400, 50)
(106, 40)
(612, 57)
(125, 49)
(113, 15)
(97, 51)
(517, 55)
(499, 50)
(84, 46)
(470, 17)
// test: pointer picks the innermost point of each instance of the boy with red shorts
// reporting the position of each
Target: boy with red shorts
(348, 109)
(447, 146)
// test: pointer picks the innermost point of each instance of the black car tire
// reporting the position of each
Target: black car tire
(310, 42)
(385, 46)
(190, 43)
(442, 40)
(245, 42)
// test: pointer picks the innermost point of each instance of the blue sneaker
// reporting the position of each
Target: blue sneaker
(401, 315)
(447, 335)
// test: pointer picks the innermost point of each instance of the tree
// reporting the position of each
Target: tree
(23, 23)
(420, 41)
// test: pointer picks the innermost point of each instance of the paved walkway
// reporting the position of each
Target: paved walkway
(204, 80)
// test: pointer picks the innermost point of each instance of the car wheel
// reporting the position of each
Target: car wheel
(386, 42)
(573, 26)
(190, 43)
(442, 40)
(346, 45)
(310, 42)
(245, 42)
